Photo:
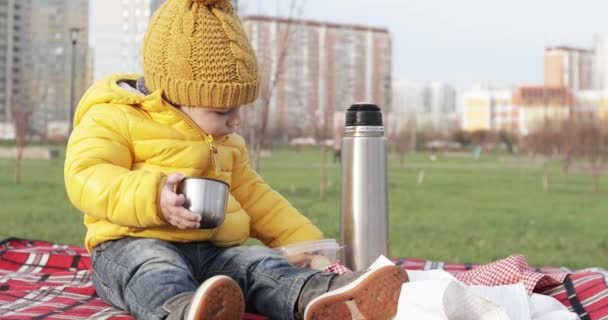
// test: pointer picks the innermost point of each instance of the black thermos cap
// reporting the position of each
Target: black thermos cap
(363, 114)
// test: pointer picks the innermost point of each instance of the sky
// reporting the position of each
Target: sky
(461, 42)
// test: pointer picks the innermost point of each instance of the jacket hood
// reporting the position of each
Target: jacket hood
(108, 91)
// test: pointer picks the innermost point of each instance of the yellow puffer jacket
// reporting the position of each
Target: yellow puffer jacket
(123, 146)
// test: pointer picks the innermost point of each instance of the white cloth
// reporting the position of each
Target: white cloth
(437, 295)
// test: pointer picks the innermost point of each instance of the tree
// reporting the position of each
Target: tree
(279, 66)
(22, 104)
(567, 141)
(402, 136)
(21, 114)
(480, 137)
(462, 137)
(544, 142)
(272, 70)
(593, 145)
(508, 139)
(401, 143)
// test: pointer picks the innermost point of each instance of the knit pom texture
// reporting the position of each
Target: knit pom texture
(222, 4)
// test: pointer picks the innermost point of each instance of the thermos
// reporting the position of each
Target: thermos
(364, 203)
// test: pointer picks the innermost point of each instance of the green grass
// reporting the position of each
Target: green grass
(464, 211)
(38, 207)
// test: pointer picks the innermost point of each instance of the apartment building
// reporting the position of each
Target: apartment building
(118, 33)
(310, 69)
(540, 105)
(569, 67)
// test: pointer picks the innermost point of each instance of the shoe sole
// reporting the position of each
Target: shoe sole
(220, 298)
(374, 295)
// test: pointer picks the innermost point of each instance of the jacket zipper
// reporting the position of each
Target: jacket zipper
(214, 153)
(215, 161)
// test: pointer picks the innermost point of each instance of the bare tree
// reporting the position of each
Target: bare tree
(480, 137)
(336, 86)
(21, 113)
(272, 72)
(400, 143)
(402, 136)
(22, 104)
(320, 121)
(508, 139)
(593, 145)
(545, 143)
(567, 141)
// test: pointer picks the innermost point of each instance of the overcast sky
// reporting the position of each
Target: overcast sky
(462, 42)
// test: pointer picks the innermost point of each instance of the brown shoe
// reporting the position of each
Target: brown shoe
(374, 295)
(219, 298)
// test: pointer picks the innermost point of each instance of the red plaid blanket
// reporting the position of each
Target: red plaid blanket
(42, 280)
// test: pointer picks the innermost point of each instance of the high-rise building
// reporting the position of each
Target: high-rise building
(600, 68)
(569, 67)
(119, 27)
(310, 69)
(40, 59)
(60, 45)
(408, 97)
(14, 40)
(423, 97)
(440, 98)
(424, 105)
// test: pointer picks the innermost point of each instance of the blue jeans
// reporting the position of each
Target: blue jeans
(139, 275)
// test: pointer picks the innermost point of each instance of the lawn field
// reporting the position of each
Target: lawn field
(463, 211)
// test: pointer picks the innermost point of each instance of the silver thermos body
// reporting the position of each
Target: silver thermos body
(364, 203)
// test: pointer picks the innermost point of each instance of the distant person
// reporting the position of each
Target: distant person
(136, 137)
(477, 152)
(337, 155)
(337, 147)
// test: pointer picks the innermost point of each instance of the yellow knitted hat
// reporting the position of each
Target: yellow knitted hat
(197, 52)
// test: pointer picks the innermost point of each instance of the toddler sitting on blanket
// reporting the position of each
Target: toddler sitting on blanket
(136, 137)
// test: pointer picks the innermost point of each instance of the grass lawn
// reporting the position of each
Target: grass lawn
(464, 211)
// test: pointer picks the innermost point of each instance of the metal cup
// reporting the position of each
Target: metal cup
(207, 197)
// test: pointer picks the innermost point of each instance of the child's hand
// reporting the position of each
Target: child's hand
(171, 205)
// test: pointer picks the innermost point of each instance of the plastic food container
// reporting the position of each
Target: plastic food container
(317, 254)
